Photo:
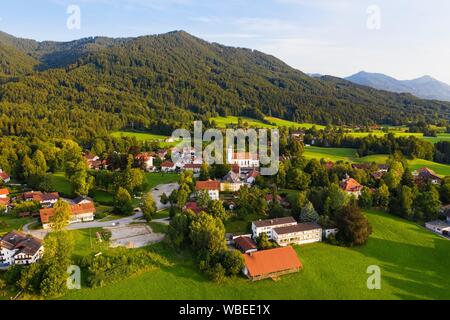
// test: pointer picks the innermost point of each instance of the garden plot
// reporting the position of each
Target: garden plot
(133, 236)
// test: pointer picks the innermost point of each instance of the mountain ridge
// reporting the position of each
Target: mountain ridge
(163, 81)
(425, 87)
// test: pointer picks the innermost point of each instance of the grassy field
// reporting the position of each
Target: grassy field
(140, 136)
(350, 155)
(414, 265)
(401, 133)
(157, 178)
(273, 122)
(9, 222)
(62, 184)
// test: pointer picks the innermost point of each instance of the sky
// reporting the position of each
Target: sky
(405, 39)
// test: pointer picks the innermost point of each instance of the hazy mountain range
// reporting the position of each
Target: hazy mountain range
(424, 87)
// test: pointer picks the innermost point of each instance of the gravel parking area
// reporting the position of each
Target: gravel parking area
(133, 236)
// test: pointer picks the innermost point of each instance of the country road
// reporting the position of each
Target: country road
(156, 192)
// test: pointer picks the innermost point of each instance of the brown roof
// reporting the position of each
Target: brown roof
(18, 240)
(4, 201)
(245, 156)
(4, 192)
(245, 243)
(207, 185)
(143, 156)
(297, 228)
(39, 196)
(77, 209)
(351, 185)
(167, 164)
(266, 262)
(192, 166)
(274, 222)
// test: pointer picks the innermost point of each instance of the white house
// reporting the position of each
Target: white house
(438, 226)
(145, 159)
(297, 234)
(194, 167)
(266, 226)
(80, 213)
(168, 166)
(243, 159)
(211, 186)
(18, 249)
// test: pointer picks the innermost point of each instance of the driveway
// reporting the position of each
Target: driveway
(156, 192)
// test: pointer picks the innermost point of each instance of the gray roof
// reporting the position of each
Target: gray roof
(273, 222)
(298, 228)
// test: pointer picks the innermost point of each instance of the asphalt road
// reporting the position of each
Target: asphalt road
(156, 192)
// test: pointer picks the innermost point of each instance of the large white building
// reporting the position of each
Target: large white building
(267, 226)
(301, 233)
(18, 249)
(243, 159)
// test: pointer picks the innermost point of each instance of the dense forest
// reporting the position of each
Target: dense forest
(85, 88)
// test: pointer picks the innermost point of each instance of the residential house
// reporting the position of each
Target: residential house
(232, 181)
(245, 244)
(266, 226)
(300, 233)
(80, 213)
(211, 186)
(4, 177)
(439, 226)
(145, 160)
(168, 166)
(17, 248)
(271, 263)
(298, 135)
(194, 167)
(426, 175)
(46, 200)
(351, 187)
(82, 200)
(94, 162)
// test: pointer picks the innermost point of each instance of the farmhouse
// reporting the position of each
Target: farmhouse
(211, 186)
(45, 199)
(168, 166)
(145, 160)
(18, 249)
(80, 213)
(438, 226)
(425, 175)
(82, 200)
(4, 177)
(351, 187)
(271, 263)
(266, 226)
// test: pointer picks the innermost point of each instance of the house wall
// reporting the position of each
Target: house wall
(303, 237)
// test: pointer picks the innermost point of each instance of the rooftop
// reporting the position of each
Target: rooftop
(245, 243)
(274, 222)
(266, 262)
(207, 185)
(298, 228)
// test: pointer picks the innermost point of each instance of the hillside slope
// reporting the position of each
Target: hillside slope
(92, 85)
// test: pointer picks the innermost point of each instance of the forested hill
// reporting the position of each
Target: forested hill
(89, 86)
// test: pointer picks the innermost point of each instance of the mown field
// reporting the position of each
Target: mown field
(140, 136)
(350, 155)
(272, 122)
(399, 133)
(414, 265)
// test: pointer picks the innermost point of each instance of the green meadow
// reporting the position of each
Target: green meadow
(350, 155)
(140, 136)
(414, 264)
(270, 122)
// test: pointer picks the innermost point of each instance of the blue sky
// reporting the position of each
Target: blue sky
(402, 38)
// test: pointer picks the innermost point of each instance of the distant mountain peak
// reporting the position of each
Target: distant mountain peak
(425, 87)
